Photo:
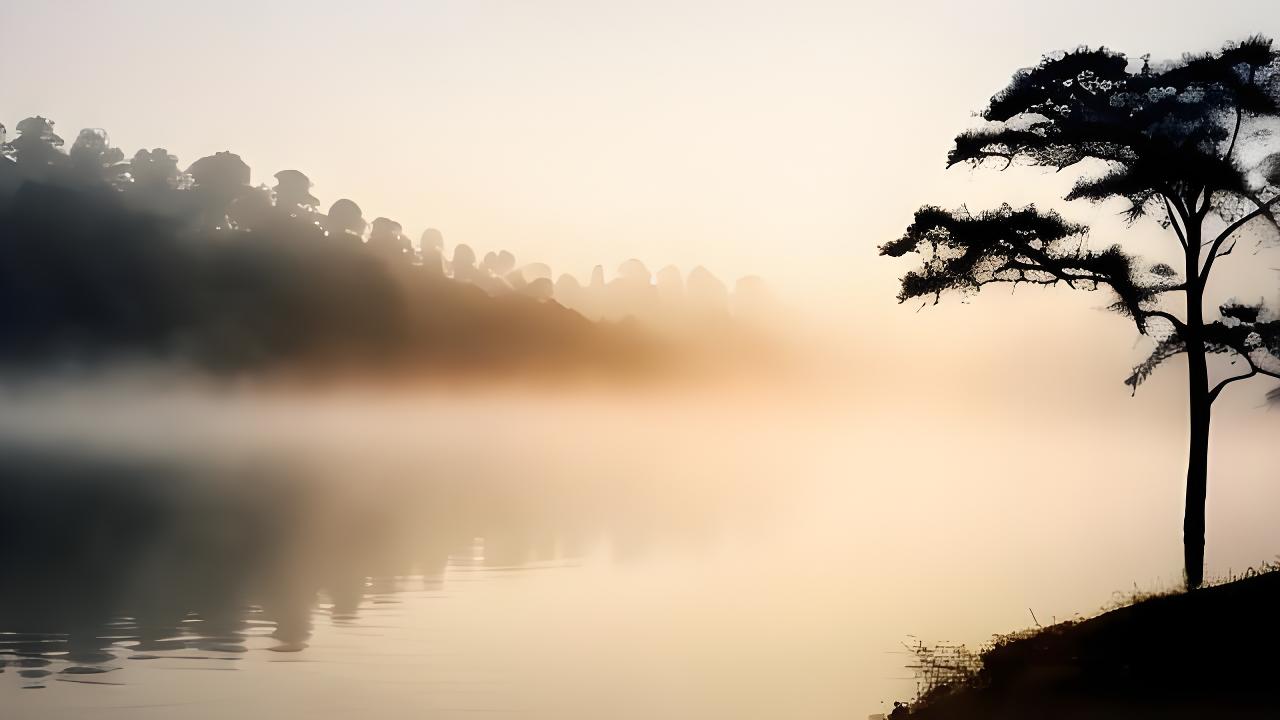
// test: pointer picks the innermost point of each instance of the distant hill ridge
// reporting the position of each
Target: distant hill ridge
(104, 259)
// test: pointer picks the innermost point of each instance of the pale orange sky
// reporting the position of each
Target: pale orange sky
(988, 448)
(781, 139)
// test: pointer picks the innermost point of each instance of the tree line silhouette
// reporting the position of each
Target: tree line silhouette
(103, 257)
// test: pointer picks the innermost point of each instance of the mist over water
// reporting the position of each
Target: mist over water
(746, 550)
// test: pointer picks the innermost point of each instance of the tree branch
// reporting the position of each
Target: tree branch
(1262, 209)
(1207, 205)
(1253, 370)
(1216, 391)
(1169, 195)
(1059, 274)
(1168, 208)
(1178, 325)
(1239, 115)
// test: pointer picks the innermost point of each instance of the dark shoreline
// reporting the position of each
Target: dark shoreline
(1202, 654)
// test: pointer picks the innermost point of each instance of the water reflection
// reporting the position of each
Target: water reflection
(440, 555)
(105, 561)
(111, 557)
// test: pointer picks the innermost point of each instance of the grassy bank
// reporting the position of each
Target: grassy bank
(1211, 653)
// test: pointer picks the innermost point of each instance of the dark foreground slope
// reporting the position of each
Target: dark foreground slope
(1207, 654)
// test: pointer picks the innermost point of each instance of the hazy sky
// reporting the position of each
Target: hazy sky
(786, 139)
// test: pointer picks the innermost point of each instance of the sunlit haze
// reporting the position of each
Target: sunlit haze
(784, 140)
(273, 424)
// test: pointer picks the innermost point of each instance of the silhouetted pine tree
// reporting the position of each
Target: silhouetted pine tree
(1187, 141)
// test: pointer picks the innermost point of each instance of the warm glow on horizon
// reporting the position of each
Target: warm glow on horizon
(752, 138)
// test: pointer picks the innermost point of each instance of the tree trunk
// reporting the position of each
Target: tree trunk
(1198, 409)
(1197, 470)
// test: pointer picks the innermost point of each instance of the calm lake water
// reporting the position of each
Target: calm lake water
(535, 555)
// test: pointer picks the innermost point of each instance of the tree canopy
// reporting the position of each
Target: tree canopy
(1184, 142)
